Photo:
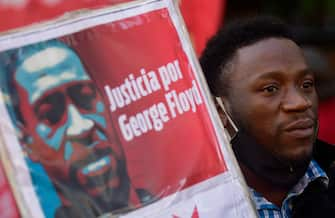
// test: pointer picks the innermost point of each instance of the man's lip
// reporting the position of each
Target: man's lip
(300, 124)
(301, 128)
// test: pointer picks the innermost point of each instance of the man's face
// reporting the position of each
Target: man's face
(66, 117)
(272, 96)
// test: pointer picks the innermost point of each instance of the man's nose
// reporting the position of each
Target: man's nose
(77, 123)
(296, 100)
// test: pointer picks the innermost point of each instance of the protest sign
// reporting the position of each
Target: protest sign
(107, 113)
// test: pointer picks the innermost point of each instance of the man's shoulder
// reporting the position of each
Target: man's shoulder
(324, 154)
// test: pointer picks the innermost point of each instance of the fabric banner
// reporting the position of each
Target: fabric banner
(107, 112)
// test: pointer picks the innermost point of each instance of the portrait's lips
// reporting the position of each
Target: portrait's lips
(98, 161)
(302, 128)
(97, 165)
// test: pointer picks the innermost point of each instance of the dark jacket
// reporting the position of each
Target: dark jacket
(318, 199)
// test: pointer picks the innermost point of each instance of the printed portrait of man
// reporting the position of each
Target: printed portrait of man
(65, 126)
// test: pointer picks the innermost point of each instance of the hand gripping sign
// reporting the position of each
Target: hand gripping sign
(107, 113)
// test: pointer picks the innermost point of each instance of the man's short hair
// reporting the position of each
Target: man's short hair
(221, 48)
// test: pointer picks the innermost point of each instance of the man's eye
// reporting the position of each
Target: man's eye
(270, 89)
(308, 84)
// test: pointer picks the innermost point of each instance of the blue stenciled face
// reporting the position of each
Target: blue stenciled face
(65, 102)
(66, 118)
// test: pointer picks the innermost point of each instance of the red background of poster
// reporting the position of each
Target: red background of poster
(186, 151)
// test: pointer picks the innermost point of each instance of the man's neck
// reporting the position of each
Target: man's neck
(272, 193)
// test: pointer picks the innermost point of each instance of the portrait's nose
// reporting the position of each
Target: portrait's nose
(77, 123)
